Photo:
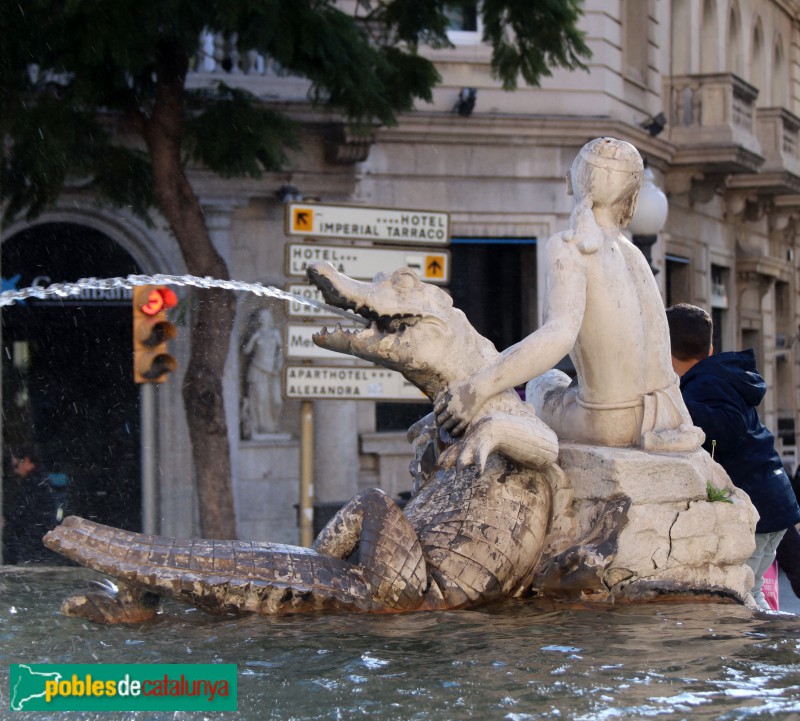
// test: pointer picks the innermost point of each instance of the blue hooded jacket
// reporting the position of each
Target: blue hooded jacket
(721, 393)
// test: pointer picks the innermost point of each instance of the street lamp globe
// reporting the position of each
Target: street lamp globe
(650, 216)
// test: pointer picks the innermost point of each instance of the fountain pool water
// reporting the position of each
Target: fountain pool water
(510, 661)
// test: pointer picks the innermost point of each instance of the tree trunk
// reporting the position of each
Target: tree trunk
(213, 314)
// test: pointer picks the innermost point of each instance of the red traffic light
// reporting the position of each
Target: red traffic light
(159, 299)
(152, 361)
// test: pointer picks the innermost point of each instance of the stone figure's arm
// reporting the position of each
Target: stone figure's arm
(565, 304)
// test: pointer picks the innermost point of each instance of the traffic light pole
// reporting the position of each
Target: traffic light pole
(148, 440)
(151, 364)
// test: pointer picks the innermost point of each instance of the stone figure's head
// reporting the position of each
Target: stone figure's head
(609, 172)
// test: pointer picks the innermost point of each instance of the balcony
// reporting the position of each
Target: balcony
(218, 59)
(712, 122)
(779, 135)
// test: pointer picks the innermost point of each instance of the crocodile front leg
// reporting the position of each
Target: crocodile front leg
(372, 532)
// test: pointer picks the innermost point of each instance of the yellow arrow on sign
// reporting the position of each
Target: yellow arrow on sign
(434, 266)
(303, 220)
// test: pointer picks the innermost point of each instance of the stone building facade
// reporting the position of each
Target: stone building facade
(708, 90)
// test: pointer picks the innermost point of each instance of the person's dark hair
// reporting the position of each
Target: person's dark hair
(690, 330)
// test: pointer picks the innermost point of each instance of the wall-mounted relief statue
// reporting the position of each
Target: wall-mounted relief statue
(262, 403)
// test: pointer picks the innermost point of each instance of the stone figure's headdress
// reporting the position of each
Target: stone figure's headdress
(612, 154)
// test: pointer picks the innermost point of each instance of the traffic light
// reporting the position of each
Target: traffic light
(151, 331)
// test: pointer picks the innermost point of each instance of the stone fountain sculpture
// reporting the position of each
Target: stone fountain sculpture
(596, 491)
(622, 424)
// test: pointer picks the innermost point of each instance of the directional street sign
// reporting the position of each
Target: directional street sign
(300, 310)
(355, 222)
(348, 383)
(299, 345)
(363, 262)
(406, 232)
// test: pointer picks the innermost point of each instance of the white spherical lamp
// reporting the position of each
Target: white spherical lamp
(650, 216)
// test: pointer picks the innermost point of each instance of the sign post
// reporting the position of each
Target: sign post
(306, 473)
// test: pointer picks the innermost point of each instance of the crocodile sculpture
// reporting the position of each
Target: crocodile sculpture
(473, 531)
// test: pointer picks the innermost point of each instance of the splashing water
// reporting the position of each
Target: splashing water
(64, 290)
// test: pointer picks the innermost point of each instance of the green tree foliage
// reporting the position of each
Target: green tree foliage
(97, 91)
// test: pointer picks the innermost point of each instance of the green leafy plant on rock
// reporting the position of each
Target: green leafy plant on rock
(713, 493)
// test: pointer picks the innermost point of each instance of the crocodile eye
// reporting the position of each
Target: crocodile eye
(404, 278)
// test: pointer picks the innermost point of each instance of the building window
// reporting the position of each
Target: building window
(733, 49)
(787, 440)
(465, 27)
(719, 304)
(757, 73)
(718, 318)
(780, 81)
(783, 314)
(678, 279)
(708, 38)
(719, 287)
(636, 22)
(784, 341)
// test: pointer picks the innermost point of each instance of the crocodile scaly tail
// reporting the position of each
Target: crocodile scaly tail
(221, 576)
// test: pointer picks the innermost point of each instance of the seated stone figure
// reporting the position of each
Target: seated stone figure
(623, 428)
(603, 308)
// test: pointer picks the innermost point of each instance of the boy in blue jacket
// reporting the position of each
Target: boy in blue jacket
(721, 392)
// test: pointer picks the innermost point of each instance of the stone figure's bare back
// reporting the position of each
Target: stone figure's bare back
(622, 351)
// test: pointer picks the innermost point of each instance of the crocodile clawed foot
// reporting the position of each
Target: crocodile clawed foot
(110, 604)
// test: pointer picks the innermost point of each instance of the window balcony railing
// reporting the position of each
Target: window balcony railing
(219, 59)
(712, 119)
(779, 135)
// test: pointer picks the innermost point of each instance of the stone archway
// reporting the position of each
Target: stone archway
(67, 383)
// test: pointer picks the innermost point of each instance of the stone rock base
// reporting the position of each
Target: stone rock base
(664, 540)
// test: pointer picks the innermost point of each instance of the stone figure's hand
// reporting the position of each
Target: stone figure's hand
(456, 406)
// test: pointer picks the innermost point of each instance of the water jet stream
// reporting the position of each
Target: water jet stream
(64, 290)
